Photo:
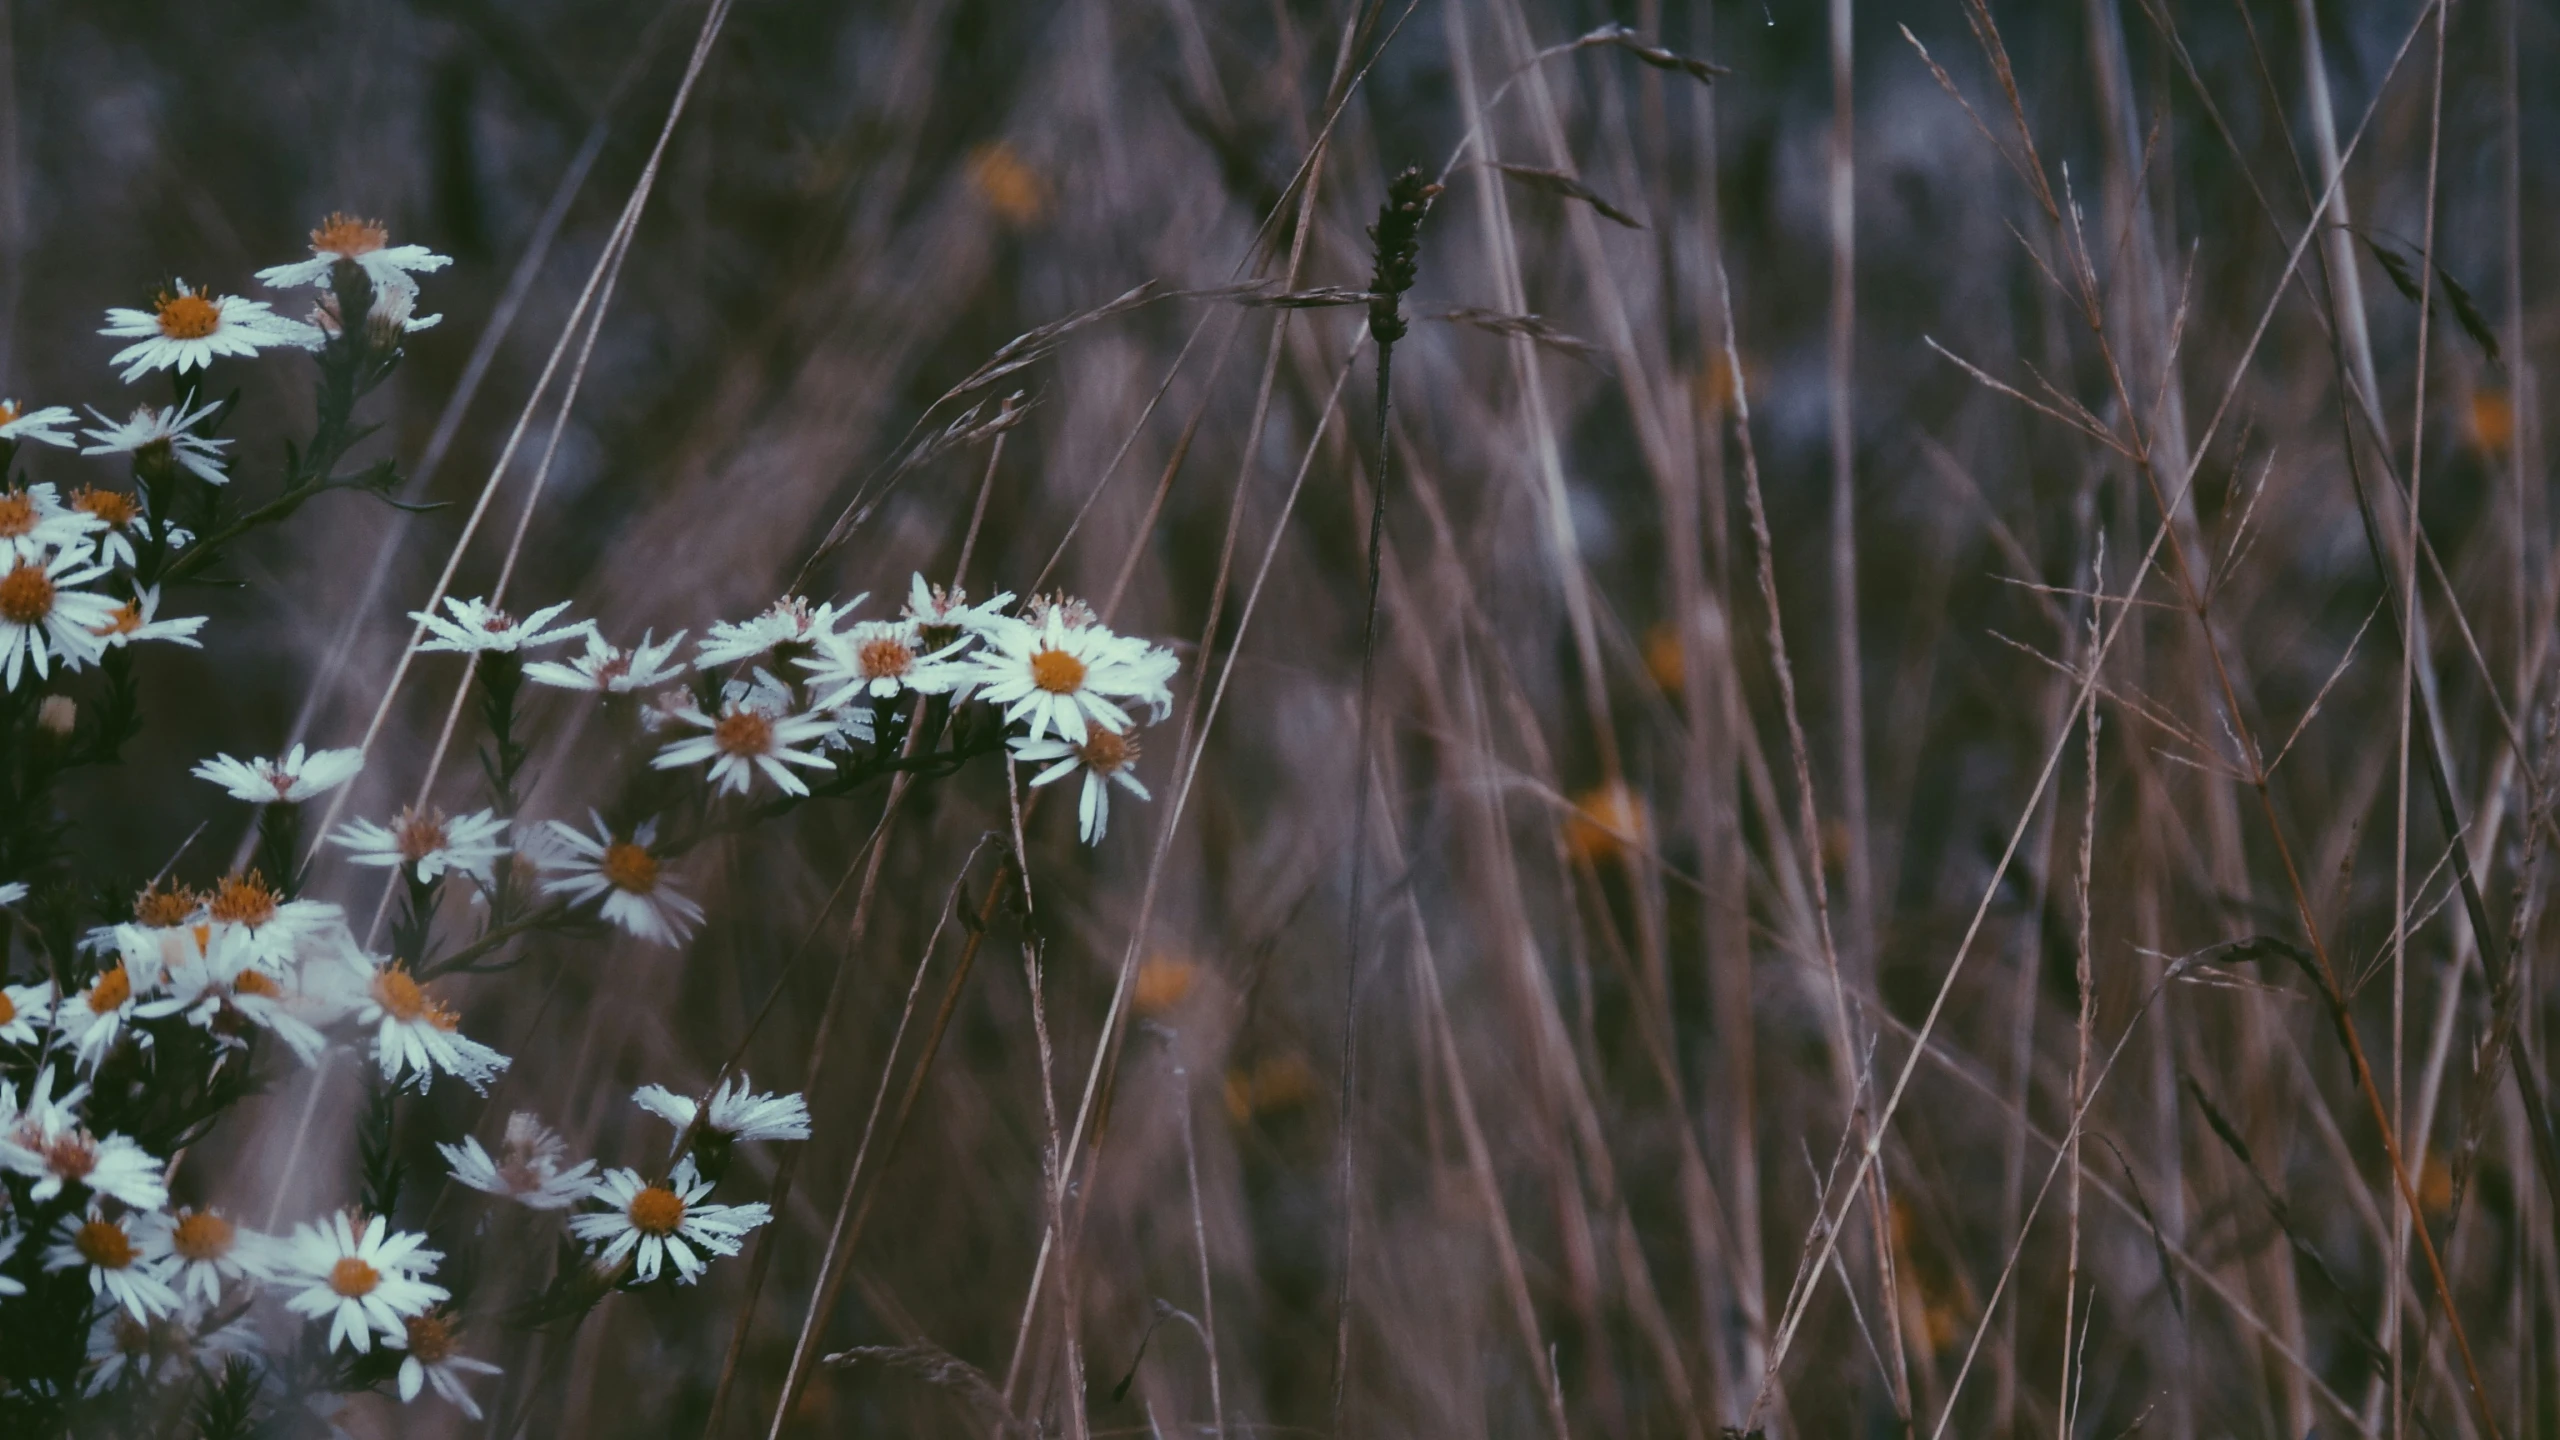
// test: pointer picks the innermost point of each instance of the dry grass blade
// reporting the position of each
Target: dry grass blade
(1560, 183)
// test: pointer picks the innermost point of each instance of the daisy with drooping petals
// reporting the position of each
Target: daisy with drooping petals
(197, 1250)
(427, 844)
(34, 523)
(479, 626)
(790, 621)
(157, 436)
(288, 781)
(43, 618)
(878, 659)
(45, 424)
(45, 1142)
(91, 1021)
(1104, 757)
(1061, 669)
(608, 669)
(527, 1169)
(626, 873)
(364, 1283)
(365, 244)
(419, 1035)
(120, 522)
(755, 730)
(945, 614)
(138, 619)
(655, 1225)
(433, 1357)
(188, 329)
(107, 1248)
(224, 998)
(21, 1006)
(734, 1114)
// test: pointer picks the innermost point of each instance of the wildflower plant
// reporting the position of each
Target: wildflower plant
(136, 1017)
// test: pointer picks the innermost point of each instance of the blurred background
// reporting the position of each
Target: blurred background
(1625, 1006)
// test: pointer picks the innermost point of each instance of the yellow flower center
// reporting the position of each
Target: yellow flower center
(188, 316)
(740, 732)
(1057, 672)
(243, 900)
(115, 507)
(430, 1339)
(125, 619)
(886, 658)
(629, 867)
(347, 236)
(202, 1235)
(26, 595)
(1105, 752)
(353, 1278)
(253, 982)
(109, 994)
(104, 1244)
(17, 513)
(656, 1211)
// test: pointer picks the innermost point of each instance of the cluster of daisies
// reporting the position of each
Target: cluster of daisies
(176, 1286)
(72, 582)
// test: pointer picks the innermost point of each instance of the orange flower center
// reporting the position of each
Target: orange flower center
(109, 994)
(1057, 672)
(8, 1008)
(347, 236)
(188, 316)
(17, 513)
(26, 595)
(656, 1211)
(353, 1278)
(202, 1235)
(252, 982)
(71, 1156)
(161, 909)
(430, 1339)
(113, 506)
(126, 619)
(1105, 752)
(740, 732)
(886, 658)
(405, 1000)
(243, 900)
(629, 867)
(104, 1244)
(419, 834)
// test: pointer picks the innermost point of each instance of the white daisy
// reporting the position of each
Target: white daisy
(1104, 757)
(754, 731)
(428, 843)
(392, 315)
(946, 614)
(138, 619)
(21, 1006)
(478, 626)
(419, 1034)
(43, 618)
(877, 659)
(198, 1250)
(225, 999)
(162, 436)
(34, 523)
(432, 1357)
(45, 424)
(527, 1168)
(364, 1284)
(626, 873)
(251, 925)
(108, 1249)
(1061, 669)
(164, 1351)
(608, 669)
(735, 1114)
(364, 243)
(91, 1021)
(48, 1145)
(790, 621)
(188, 329)
(663, 1223)
(119, 522)
(289, 781)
